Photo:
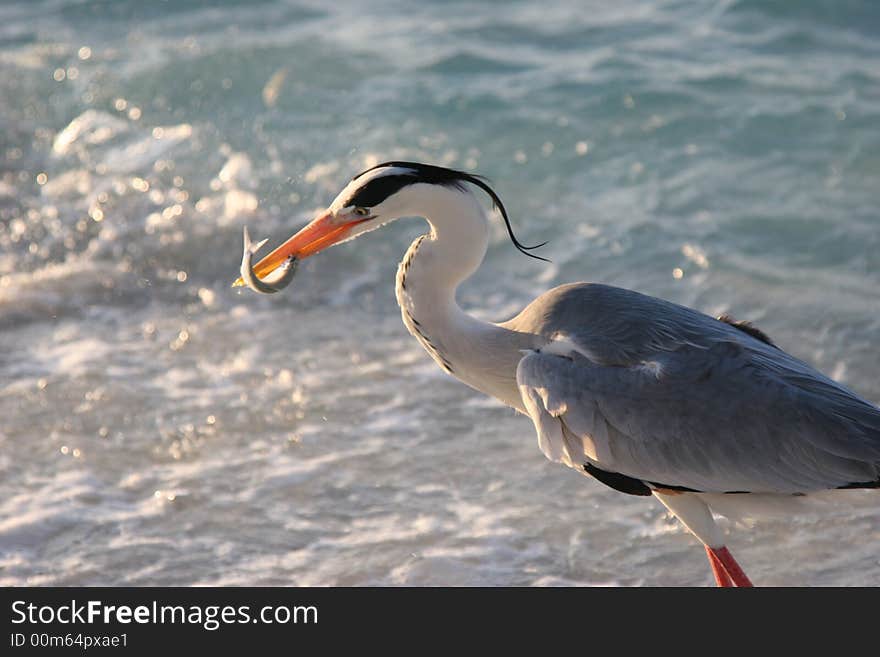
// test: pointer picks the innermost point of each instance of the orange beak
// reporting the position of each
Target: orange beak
(316, 236)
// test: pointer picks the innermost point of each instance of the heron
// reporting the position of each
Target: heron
(651, 398)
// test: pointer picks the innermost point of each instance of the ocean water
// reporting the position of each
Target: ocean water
(160, 428)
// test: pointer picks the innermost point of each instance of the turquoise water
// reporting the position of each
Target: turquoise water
(161, 428)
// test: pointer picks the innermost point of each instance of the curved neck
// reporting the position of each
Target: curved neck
(456, 245)
(481, 354)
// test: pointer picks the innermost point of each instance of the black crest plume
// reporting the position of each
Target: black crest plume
(378, 189)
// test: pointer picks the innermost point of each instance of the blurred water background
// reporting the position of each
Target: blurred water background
(159, 428)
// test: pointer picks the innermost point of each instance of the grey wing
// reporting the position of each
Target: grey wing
(717, 417)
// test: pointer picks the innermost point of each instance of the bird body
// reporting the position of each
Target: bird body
(675, 397)
(647, 396)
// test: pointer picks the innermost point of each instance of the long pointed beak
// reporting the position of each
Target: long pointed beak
(316, 236)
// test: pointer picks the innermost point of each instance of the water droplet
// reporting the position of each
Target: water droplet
(207, 296)
(696, 255)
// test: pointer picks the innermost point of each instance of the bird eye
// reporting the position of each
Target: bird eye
(362, 211)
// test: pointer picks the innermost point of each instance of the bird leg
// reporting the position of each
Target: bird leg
(722, 579)
(725, 568)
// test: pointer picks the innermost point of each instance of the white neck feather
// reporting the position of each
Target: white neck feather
(481, 354)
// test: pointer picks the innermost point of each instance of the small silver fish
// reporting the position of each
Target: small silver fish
(274, 282)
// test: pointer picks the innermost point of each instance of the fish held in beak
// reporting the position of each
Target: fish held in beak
(273, 282)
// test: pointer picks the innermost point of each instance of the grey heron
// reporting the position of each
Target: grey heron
(649, 397)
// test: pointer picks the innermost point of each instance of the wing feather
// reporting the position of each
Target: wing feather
(718, 414)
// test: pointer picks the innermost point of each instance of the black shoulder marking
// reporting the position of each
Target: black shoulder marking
(618, 481)
(862, 484)
(747, 327)
(631, 485)
(678, 489)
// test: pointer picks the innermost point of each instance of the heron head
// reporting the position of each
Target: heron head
(373, 198)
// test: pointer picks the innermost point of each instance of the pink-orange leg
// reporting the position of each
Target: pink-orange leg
(725, 568)
(721, 576)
